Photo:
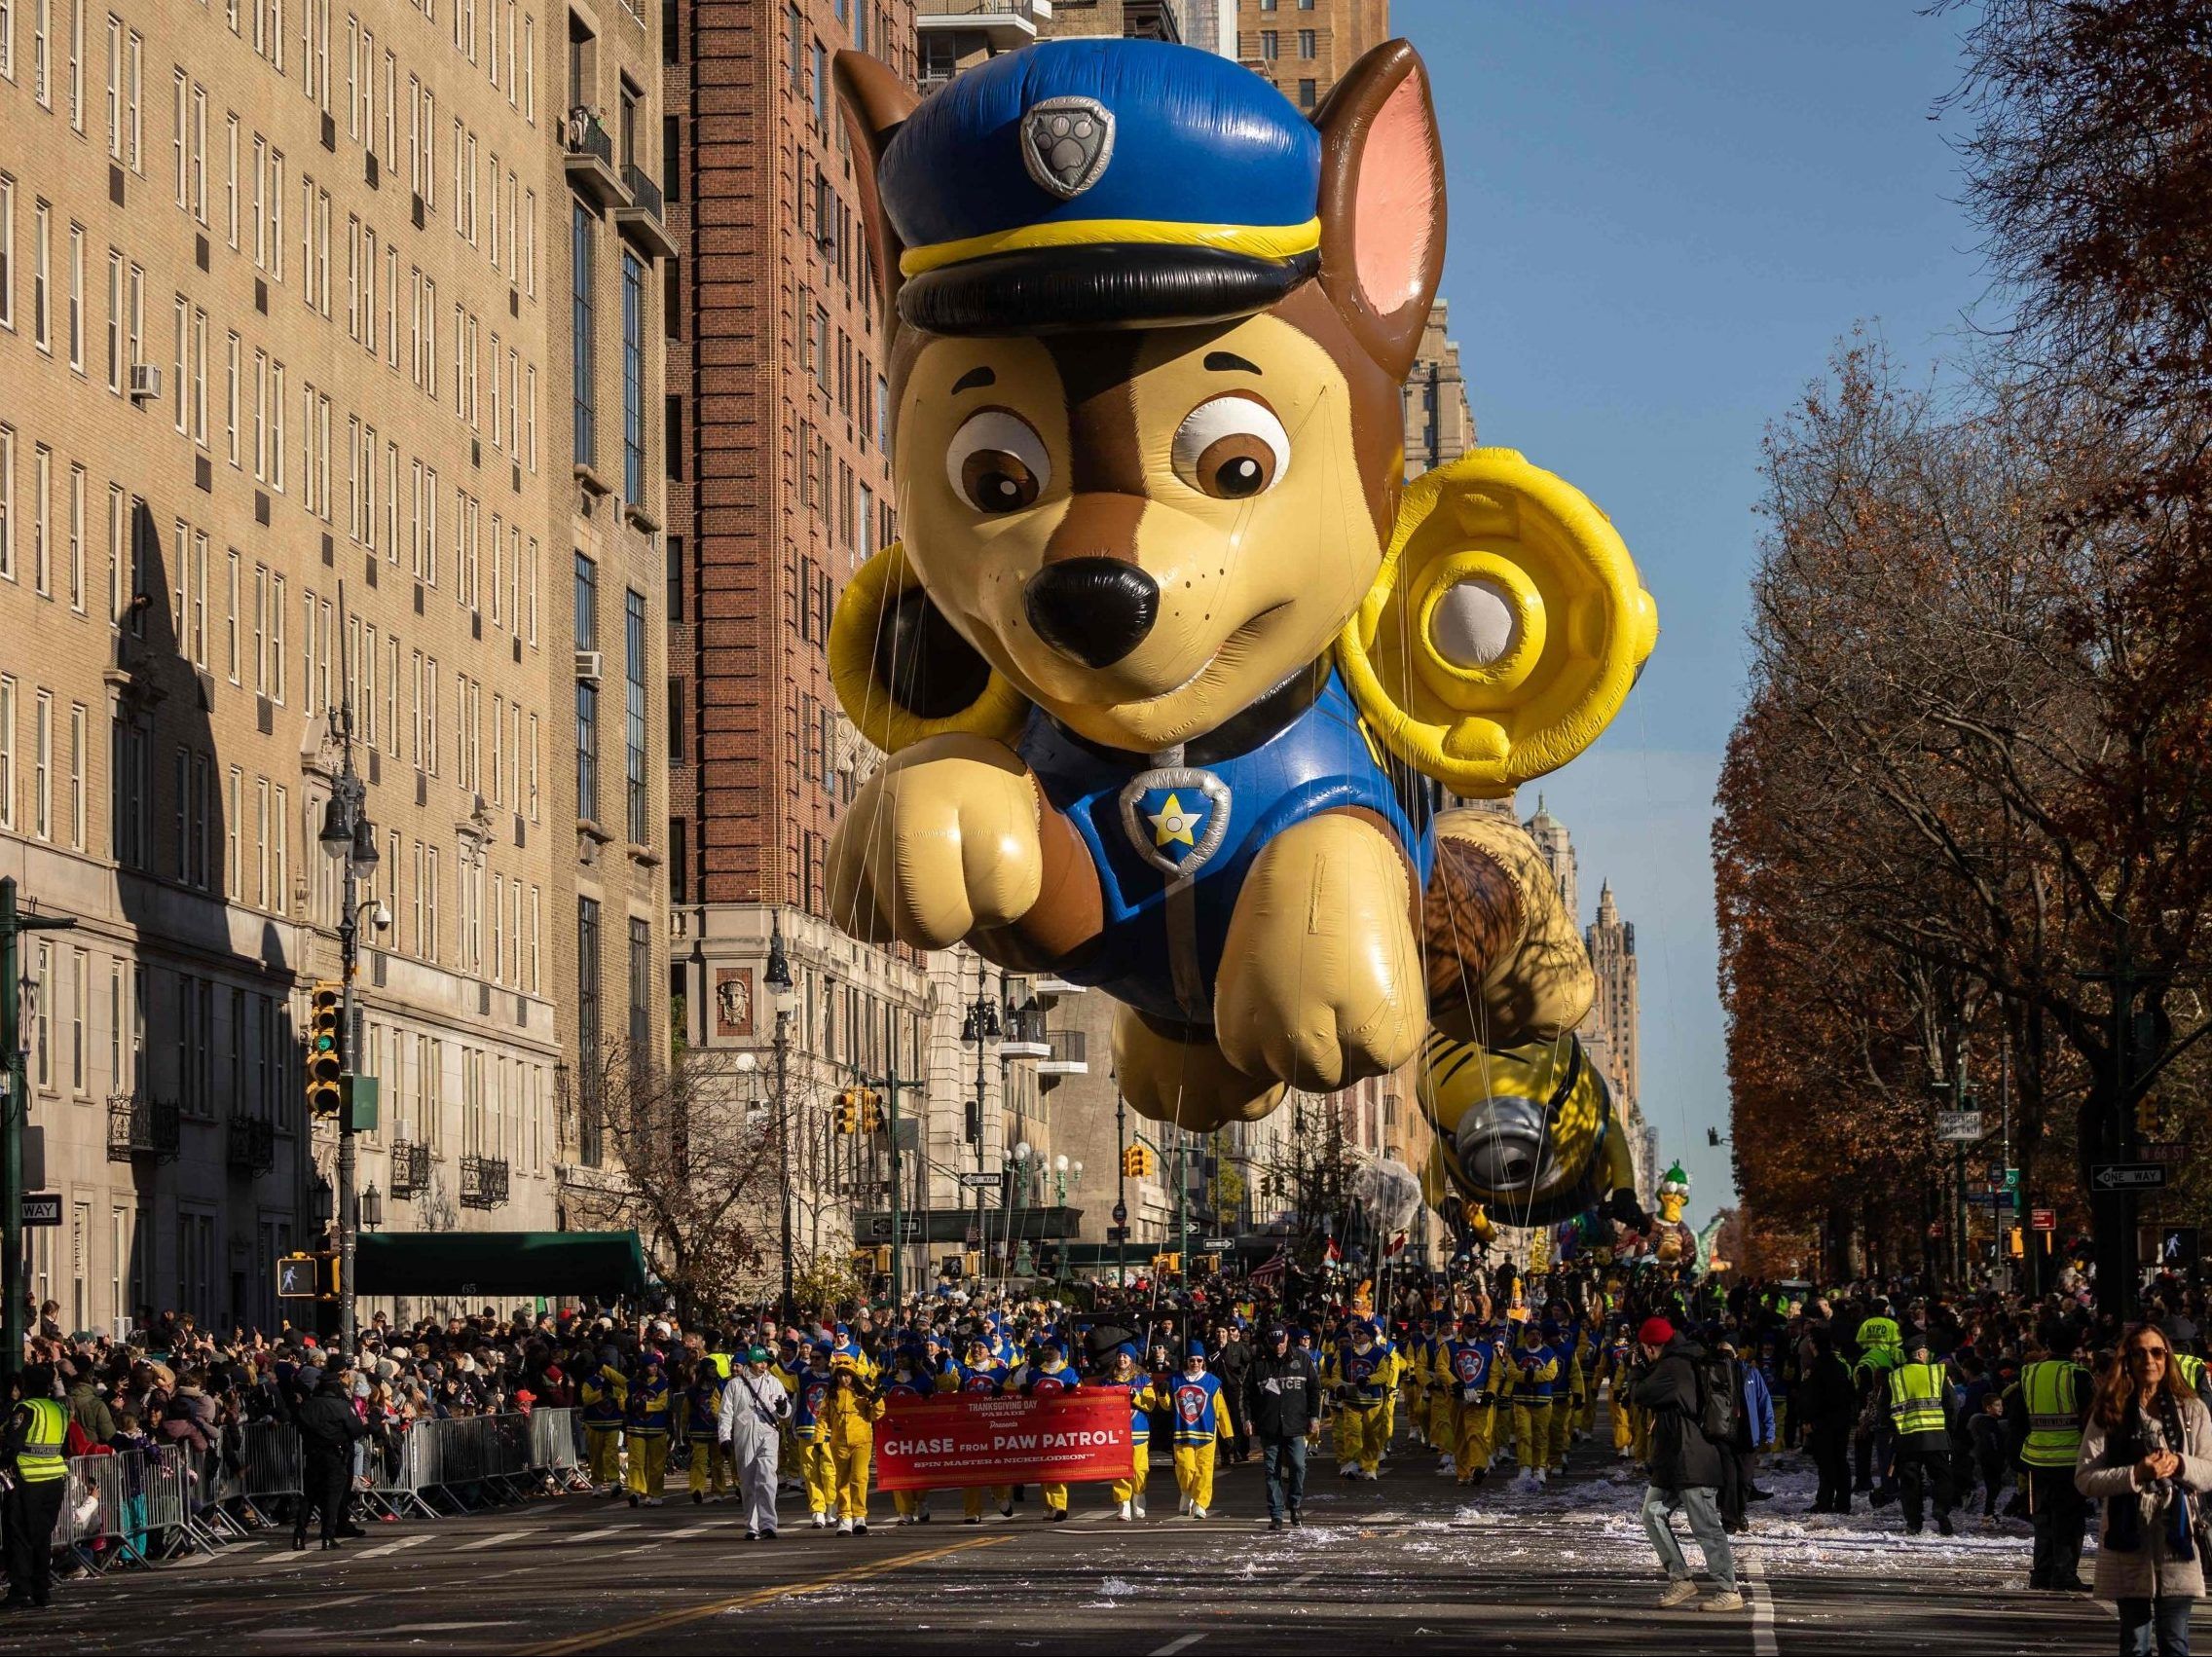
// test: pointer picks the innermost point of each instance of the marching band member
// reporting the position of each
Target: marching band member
(645, 1426)
(906, 1381)
(603, 1394)
(848, 1420)
(1470, 1368)
(1199, 1424)
(1361, 1371)
(810, 1432)
(1144, 1396)
(1050, 1376)
(983, 1375)
(710, 1457)
(1535, 1375)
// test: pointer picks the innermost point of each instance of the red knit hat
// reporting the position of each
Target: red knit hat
(1656, 1332)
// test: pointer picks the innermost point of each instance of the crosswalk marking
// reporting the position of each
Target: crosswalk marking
(494, 1541)
(590, 1535)
(392, 1547)
(1180, 1643)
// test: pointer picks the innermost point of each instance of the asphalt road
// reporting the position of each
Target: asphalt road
(1407, 1561)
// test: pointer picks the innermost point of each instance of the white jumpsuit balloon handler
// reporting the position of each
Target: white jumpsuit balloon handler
(754, 1404)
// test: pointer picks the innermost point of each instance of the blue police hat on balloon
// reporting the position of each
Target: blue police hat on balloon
(1094, 182)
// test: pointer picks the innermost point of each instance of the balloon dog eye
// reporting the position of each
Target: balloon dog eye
(997, 461)
(1230, 448)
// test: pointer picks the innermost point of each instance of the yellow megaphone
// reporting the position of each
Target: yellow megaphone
(1504, 630)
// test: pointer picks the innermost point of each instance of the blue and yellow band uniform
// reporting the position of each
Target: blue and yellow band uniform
(1363, 1378)
(986, 1377)
(710, 1465)
(1145, 1395)
(603, 1394)
(645, 1424)
(810, 1434)
(1200, 1424)
(1468, 1379)
(1535, 1378)
(1050, 1376)
(905, 1382)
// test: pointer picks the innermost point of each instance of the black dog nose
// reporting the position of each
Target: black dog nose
(1095, 609)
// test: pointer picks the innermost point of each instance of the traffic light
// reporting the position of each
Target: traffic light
(871, 1111)
(327, 1046)
(848, 1110)
(1167, 1263)
(1136, 1161)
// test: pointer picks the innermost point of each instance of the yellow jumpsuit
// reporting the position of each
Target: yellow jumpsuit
(986, 1379)
(1461, 1365)
(848, 1421)
(1363, 1424)
(604, 1397)
(1143, 1397)
(1535, 1372)
(1196, 1444)
(810, 1441)
(1042, 1380)
(1567, 1400)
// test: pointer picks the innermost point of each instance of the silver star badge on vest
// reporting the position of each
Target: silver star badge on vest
(1066, 143)
(1176, 818)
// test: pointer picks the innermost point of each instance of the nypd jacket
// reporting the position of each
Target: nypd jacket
(1282, 1396)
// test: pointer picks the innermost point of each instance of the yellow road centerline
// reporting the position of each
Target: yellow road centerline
(745, 1602)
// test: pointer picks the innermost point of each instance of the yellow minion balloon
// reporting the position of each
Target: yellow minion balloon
(1528, 1131)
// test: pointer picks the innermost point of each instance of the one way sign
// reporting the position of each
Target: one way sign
(2128, 1176)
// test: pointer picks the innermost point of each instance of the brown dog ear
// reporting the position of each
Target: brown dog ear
(874, 102)
(1382, 202)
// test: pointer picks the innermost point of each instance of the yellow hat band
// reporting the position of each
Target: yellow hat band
(1257, 242)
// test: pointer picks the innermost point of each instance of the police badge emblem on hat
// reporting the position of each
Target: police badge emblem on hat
(1176, 818)
(1066, 143)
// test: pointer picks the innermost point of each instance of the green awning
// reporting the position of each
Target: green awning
(603, 1264)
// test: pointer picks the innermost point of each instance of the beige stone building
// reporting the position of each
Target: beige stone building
(325, 331)
(1440, 427)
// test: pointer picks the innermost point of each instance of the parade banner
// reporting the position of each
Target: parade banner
(936, 1443)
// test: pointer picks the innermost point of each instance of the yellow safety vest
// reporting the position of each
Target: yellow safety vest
(2191, 1369)
(2051, 1390)
(1916, 1398)
(39, 1459)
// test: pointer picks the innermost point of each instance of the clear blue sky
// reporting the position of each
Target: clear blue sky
(1662, 217)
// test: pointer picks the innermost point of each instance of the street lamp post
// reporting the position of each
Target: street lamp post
(783, 996)
(15, 1113)
(348, 837)
(980, 1026)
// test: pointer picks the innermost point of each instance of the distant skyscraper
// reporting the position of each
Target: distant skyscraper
(1557, 848)
(1440, 427)
(1302, 47)
(1616, 1045)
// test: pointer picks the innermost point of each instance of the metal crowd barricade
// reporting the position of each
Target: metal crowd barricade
(556, 1449)
(398, 1469)
(139, 1507)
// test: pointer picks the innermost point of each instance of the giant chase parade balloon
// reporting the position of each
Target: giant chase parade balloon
(1181, 684)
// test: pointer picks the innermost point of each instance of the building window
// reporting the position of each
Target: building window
(587, 693)
(1270, 45)
(673, 547)
(588, 1138)
(1306, 91)
(634, 710)
(1305, 43)
(640, 989)
(580, 258)
(633, 379)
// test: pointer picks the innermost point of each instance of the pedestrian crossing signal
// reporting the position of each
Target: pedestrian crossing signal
(327, 1046)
